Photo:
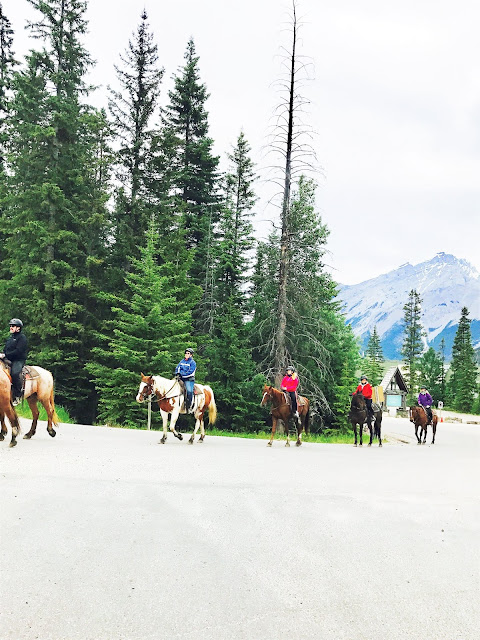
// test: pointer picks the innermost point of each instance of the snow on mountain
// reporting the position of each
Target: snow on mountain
(445, 284)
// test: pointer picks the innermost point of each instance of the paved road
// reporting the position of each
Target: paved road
(107, 535)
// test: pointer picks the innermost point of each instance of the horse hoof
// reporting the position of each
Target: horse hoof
(287, 444)
(13, 443)
(380, 444)
(355, 444)
(298, 443)
(26, 437)
(269, 444)
(52, 433)
(190, 441)
(369, 444)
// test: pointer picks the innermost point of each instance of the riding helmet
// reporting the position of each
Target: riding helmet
(364, 378)
(290, 368)
(190, 351)
(15, 322)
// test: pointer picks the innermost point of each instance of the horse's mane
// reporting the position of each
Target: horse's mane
(358, 401)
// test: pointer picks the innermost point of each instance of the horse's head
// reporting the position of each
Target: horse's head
(146, 388)
(267, 394)
(358, 402)
(414, 413)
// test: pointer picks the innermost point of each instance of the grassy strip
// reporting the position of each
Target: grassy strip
(327, 438)
(23, 410)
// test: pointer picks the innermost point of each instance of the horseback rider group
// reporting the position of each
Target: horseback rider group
(15, 350)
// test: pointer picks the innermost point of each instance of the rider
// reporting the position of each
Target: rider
(16, 348)
(185, 370)
(425, 400)
(290, 384)
(366, 390)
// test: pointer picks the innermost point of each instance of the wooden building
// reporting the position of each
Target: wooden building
(394, 390)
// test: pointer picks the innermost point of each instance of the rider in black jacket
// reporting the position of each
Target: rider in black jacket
(16, 348)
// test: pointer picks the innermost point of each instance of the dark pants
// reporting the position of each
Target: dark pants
(293, 400)
(370, 412)
(189, 389)
(429, 413)
(16, 372)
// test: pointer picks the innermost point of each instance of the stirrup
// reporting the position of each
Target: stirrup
(16, 401)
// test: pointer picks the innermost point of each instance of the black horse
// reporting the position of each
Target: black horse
(358, 415)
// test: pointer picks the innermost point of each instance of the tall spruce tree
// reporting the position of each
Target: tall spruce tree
(373, 365)
(150, 328)
(412, 347)
(316, 338)
(430, 372)
(55, 210)
(193, 167)
(132, 109)
(443, 372)
(464, 371)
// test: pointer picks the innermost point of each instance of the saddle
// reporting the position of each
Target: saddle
(300, 399)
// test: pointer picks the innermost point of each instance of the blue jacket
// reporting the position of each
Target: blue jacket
(186, 369)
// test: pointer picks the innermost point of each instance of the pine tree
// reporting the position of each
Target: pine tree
(55, 215)
(132, 109)
(193, 167)
(412, 346)
(373, 365)
(150, 327)
(430, 371)
(463, 382)
(443, 370)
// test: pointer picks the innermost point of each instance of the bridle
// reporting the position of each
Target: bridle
(153, 392)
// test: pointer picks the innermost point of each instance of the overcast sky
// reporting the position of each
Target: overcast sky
(395, 102)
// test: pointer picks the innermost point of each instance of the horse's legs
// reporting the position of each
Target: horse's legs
(424, 434)
(360, 434)
(434, 430)
(299, 423)
(370, 428)
(378, 431)
(202, 430)
(32, 403)
(173, 422)
(354, 425)
(3, 431)
(416, 434)
(274, 428)
(164, 415)
(50, 409)
(286, 423)
(197, 425)
(13, 419)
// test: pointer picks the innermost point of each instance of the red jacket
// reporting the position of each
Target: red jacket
(289, 383)
(366, 390)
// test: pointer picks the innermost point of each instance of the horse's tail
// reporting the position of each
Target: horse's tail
(212, 407)
(55, 418)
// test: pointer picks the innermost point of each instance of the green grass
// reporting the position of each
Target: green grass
(327, 438)
(23, 410)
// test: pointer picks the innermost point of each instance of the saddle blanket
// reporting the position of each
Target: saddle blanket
(30, 372)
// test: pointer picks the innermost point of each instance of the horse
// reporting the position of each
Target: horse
(170, 400)
(419, 417)
(39, 388)
(7, 409)
(359, 415)
(281, 410)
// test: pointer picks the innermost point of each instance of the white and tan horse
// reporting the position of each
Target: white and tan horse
(39, 388)
(170, 400)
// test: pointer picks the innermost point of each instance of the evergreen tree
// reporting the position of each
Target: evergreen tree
(193, 167)
(317, 340)
(443, 370)
(55, 215)
(373, 365)
(430, 370)
(132, 109)
(150, 326)
(412, 346)
(463, 381)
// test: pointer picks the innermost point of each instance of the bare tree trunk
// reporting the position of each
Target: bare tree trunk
(280, 349)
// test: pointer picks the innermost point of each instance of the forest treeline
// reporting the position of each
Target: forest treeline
(122, 242)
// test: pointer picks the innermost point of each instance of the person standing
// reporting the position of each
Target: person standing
(16, 349)
(185, 369)
(290, 384)
(365, 388)
(425, 400)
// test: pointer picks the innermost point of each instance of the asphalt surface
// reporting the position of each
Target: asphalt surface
(107, 535)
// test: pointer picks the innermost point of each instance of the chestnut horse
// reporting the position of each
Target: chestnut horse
(281, 410)
(170, 400)
(358, 415)
(39, 388)
(6, 408)
(419, 417)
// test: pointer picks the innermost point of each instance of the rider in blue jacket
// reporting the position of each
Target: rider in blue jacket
(185, 369)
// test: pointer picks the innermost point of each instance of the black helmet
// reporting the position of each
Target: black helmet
(15, 322)
(190, 351)
(290, 368)
(423, 386)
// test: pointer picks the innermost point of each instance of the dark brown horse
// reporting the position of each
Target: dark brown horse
(6, 408)
(359, 415)
(419, 417)
(281, 410)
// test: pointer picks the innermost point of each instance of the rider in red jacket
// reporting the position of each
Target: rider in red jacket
(366, 389)
(290, 384)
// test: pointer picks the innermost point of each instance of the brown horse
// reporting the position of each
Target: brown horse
(419, 417)
(39, 388)
(281, 410)
(170, 398)
(6, 408)
(359, 415)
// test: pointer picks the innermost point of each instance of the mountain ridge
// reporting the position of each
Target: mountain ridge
(445, 284)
